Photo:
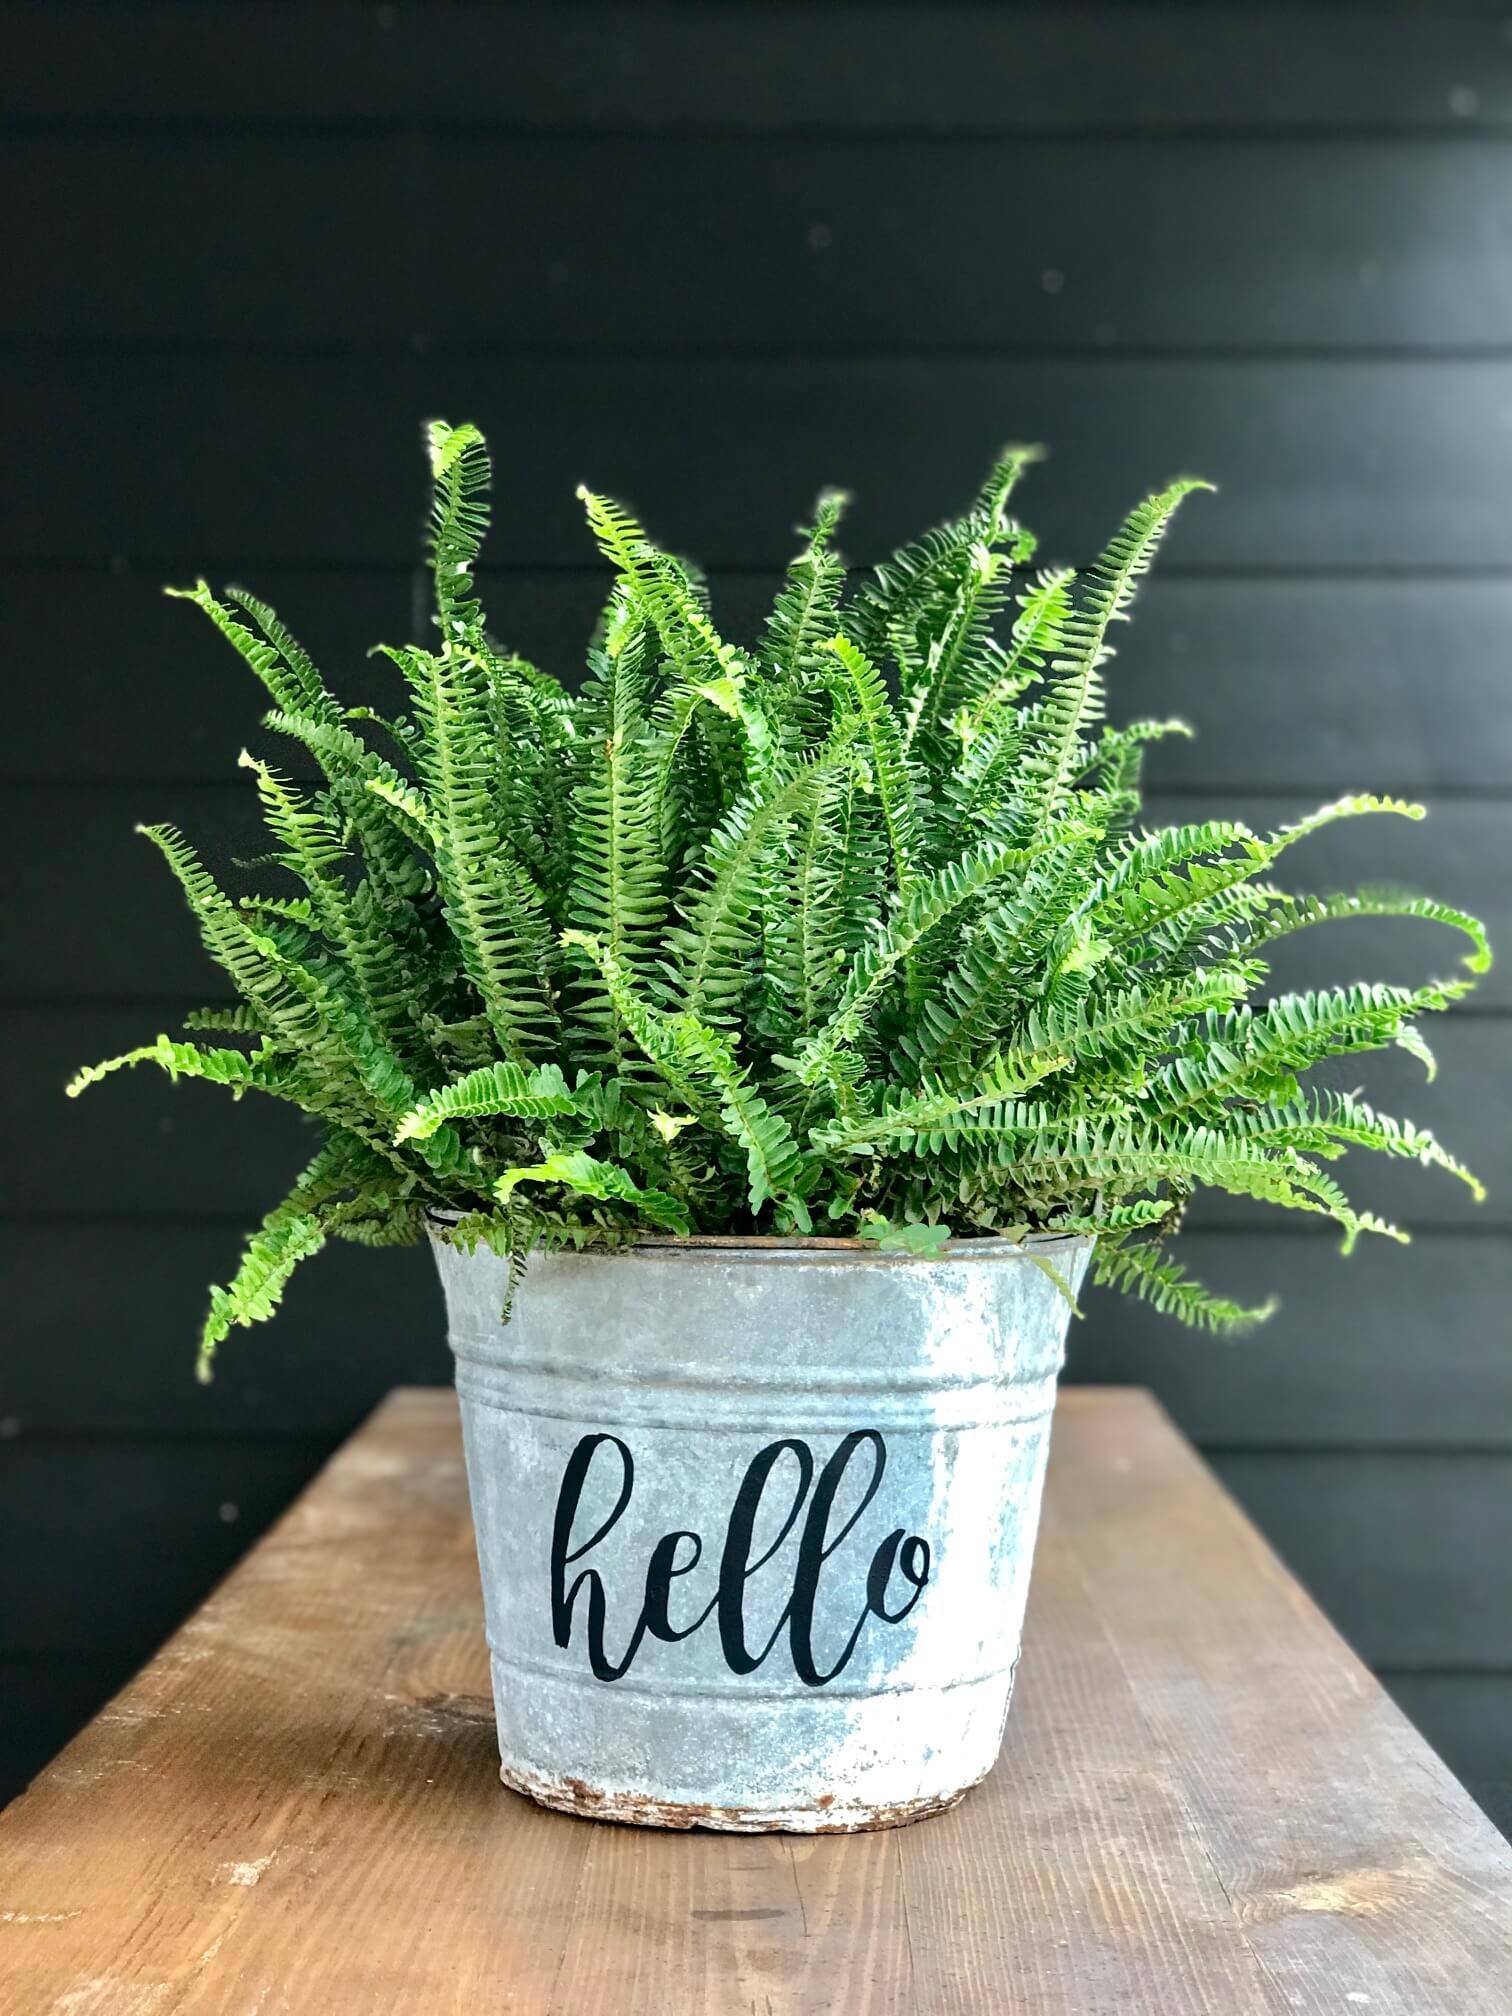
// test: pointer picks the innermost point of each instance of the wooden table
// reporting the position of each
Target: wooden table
(1204, 1804)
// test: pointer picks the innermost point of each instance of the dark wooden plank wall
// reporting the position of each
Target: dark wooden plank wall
(712, 256)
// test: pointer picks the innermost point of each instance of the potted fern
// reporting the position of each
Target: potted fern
(768, 1039)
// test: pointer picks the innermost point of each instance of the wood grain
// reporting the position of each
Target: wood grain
(1205, 1806)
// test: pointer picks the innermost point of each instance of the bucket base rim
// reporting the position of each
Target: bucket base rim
(637, 1809)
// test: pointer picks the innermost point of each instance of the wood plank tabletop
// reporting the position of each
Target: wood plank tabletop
(1204, 1807)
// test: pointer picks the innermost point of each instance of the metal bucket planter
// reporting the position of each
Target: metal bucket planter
(755, 1519)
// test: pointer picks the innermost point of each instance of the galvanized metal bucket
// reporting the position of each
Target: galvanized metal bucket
(755, 1519)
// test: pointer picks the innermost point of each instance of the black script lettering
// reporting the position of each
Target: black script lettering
(660, 1570)
(736, 1567)
(913, 1564)
(573, 1479)
(816, 1546)
(679, 1552)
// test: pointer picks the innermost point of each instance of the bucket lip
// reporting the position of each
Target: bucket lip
(768, 1246)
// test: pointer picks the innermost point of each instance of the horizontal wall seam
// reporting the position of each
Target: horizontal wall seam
(1443, 1671)
(1271, 1451)
(316, 1443)
(420, 345)
(1471, 131)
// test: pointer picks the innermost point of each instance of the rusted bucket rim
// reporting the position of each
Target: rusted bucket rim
(767, 1246)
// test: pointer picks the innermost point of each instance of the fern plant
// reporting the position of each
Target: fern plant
(853, 930)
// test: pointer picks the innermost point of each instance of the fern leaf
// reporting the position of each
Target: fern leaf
(293, 1231)
(461, 478)
(239, 1020)
(257, 1287)
(354, 1078)
(494, 911)
(814, 918)
(1075, 701)
(507, 1089)
(775, 1168)
(920, 581)
(1345, 1117)
(580, 1173)
(804, 616)
(894, 786)
(1168, 1287)
(1038, 637)
(315, 851)
(1243, 1052)
(697, 1062)
(1004, 956)
(314, 697)
(658, 588)
(925, 907)
(617, 893)
(262, 1070)
(643, 1022)
(712, 948)
(1286, 914)
(282, 667)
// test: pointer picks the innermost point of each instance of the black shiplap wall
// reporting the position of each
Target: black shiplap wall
(712, 256)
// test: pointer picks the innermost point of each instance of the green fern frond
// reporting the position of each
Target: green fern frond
(313, 697)
(496, 915)
(712, 947)
(643, 1022)
(855, 925)
(239, 1020)
(1166, 1286)
(1248, 1053)
(618, 883)
(1001, 965)
(262, 1070)
(291, 681)
(586, 1177)
(258, 1284)
(507, 1089)
(1038, 636)
(921, 581)
(942, 635)
(924, 908)
(804, 616)
(461, 479)
(776, 1170)
(1074, 702)
(1346, 1118)
(892, 782)
(1285, 914)
(815, 921)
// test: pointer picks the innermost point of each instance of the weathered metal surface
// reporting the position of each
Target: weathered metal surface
(755, 1520)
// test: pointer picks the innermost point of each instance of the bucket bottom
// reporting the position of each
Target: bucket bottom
(635, 1809)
